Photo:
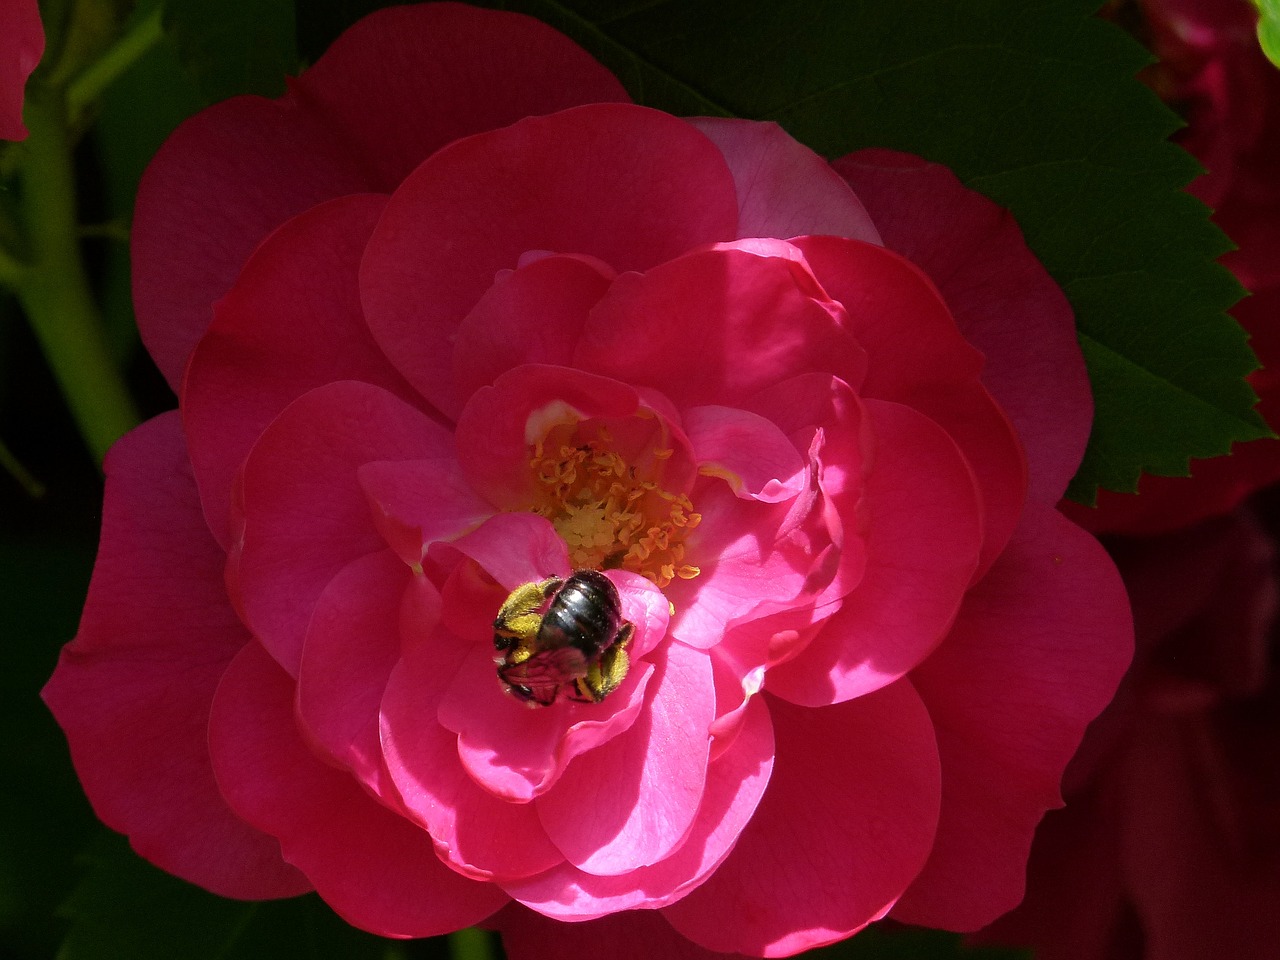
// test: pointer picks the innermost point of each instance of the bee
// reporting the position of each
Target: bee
(563, 638)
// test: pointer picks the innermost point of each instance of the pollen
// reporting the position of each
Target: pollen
(608, 513)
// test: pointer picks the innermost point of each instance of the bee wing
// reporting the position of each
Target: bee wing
(546, 666)
(545, 672)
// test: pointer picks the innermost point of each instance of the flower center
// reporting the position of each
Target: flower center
(609, 515)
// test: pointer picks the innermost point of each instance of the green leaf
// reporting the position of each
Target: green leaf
(1031, 103)
(1269, 28)
(234, 46)
(320, 22)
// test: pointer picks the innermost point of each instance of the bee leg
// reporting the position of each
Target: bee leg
(604, 676)
(624, 635)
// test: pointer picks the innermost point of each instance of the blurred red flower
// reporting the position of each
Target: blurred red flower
(21, 45)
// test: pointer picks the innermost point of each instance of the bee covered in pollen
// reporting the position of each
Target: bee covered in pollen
(563, 639)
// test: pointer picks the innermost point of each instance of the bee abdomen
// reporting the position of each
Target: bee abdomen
(585, 613)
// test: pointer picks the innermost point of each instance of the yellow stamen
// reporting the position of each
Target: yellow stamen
(609, 515)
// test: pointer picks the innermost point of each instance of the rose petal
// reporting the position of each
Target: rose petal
(517, 752)
(1004, 300)
(643, 187)
(228, 176)
(917, 356)
(533, 315)
(353, 643)
(922, 531)
(222, 181)
(373, 867)
(513, 549)
(304, 515)
(416, 503)
(718, 325)
(629, 806)
(735, 782)
(478, 833)
(455, 69)
(784, 188)
(827, 412)
(133, 690)
(245, 371)
(747, 451)
(847, 821)
(754, 559)
(811, 401)
(645, 606)
(1036, 653)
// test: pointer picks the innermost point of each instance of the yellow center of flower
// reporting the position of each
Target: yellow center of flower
(609, 516)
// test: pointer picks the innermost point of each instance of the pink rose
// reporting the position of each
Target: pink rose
(451, 319)
(1169, 846)
(1212, 70)
(21, 45)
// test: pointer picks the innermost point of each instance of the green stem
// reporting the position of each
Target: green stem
(26, 479)
(471, 943)
(88, 86)
(52, 286)
(10, 269)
